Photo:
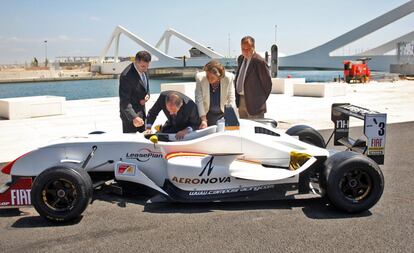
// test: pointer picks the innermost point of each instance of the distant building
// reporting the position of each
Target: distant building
(194, 52)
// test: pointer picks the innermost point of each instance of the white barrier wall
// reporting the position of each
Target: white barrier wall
(320, 89)
(30, 107)
(187, 88)
(285, 85)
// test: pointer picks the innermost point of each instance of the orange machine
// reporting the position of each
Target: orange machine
(357, 71)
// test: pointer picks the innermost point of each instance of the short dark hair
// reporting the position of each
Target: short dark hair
(143, 56)
(249, 39)
(174, 98)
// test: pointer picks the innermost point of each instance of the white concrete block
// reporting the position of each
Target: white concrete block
(30, 107)
(319, 89)
(187, 88)
(285, 85)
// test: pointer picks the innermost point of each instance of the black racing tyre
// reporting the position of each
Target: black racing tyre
(353, 182)
(307, 134)
(61, 194)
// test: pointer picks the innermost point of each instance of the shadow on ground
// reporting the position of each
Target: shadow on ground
(37, 221)
(29, 221)
(313, 208)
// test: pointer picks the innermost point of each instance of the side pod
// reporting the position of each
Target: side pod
(131, 173)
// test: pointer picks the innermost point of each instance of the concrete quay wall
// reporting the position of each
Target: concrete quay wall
(48, 75)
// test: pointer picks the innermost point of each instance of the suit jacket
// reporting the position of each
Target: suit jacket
(187, 116)
(202, 92)
(131, 91)
(257, 84)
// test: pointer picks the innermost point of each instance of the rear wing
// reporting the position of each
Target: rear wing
(374, 130)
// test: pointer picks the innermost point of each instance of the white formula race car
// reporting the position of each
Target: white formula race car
(236, 160)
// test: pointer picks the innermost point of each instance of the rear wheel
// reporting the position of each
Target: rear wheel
(307, 134)
(61, 194)
(354, 183)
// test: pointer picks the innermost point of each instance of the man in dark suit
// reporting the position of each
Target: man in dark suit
(253, 82)
(181, 112)
(134, 93)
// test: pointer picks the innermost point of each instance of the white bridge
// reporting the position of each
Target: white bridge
(319, 57)
(162, 59)
(316, 58)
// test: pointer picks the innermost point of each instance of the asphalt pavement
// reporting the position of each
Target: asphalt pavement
(127, 224)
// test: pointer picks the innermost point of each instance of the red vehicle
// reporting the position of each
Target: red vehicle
(357, 71)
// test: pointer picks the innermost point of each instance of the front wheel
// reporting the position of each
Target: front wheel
(353, 182)
(61, 194)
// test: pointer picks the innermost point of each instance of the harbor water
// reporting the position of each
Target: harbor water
(85, 89)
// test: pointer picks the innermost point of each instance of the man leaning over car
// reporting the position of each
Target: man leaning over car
(180, 111)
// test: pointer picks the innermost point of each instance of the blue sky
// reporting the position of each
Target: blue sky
(83, 27)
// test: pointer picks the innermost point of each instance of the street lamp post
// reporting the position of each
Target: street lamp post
(275, 34)
(229, 44)
(45, 53)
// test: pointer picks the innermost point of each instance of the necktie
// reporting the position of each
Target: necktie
(144, 80)
(240, 79)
